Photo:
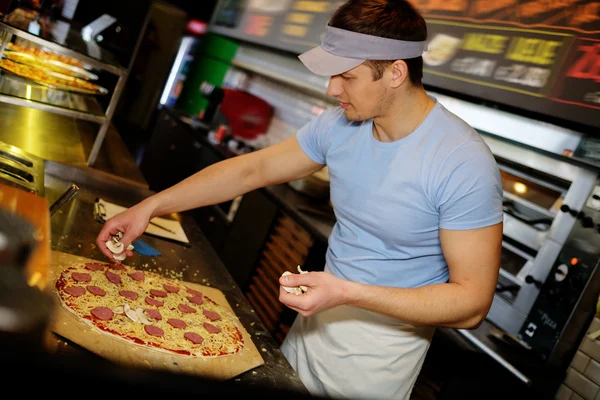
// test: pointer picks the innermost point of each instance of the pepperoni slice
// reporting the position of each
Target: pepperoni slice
(193, 337)
(81, 277)
(154, 330)
(111, 276)
(211, 328)
(153, 302)
(176, 323)
(117, 267)
(96, 290)
(171, 289)
(137, 276)
(75, 291)
(194, 292)
(157, 293)
(103, 313)
(154, 314)
(213, 316)
(128, 294)
(186, 309)
(94, 267)
(196, 300)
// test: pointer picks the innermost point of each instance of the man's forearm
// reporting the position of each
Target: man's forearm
(215, 184)
(445, 305)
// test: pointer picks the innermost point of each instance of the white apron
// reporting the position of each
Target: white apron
(347, 352)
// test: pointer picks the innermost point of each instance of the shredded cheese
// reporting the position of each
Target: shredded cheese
(228, 341)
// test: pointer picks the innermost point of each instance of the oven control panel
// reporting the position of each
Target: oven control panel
(561, 301)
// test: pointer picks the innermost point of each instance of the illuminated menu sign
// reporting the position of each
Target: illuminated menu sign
(538, 55)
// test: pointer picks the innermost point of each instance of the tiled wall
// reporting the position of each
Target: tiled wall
(583, 376)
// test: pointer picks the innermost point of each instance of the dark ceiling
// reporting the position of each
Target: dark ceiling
(196, 9)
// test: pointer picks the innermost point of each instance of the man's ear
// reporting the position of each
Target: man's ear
(399, 73)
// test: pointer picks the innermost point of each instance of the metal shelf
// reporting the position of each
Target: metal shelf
(79, 106)
(21, 92)
(63, 50)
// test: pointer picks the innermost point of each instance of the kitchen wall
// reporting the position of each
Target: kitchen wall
(280, 81)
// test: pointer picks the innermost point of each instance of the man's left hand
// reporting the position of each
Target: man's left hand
(324, 291)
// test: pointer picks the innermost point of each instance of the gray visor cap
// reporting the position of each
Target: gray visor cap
(343, 50)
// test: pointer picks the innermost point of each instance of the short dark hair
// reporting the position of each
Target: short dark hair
(393, 19)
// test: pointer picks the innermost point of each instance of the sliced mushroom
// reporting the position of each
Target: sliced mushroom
(131, 313)
(130, 247)
(303, 288)
(142, 317)
(118, 310)
(295, 290)
(115, 248)
(119, 257)
(301, 271)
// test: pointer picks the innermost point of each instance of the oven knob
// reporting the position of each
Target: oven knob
(566, 208)
(530, 279)
(561, 273)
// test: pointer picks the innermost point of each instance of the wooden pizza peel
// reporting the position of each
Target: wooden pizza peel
(67, 325)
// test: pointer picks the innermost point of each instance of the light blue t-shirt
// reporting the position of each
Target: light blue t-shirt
(391, 198)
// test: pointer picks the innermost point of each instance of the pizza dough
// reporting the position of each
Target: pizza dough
(150, 310)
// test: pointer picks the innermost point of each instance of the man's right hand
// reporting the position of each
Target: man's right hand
(131, 222)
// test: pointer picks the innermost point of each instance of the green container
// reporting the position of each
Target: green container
(211, 67)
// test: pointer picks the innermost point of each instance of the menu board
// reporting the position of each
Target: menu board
(538, 55)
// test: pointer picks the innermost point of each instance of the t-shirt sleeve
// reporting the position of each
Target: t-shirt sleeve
(470, 189)
(312, 137)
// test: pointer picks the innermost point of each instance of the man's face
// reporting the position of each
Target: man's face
(360, 96)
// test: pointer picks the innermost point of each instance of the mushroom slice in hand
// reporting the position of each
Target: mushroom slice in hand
(303, 288)
(119, 257)
(130, 247)
(295, 290)
(115, 248)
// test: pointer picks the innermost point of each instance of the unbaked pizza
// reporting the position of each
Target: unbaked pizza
(148, 309)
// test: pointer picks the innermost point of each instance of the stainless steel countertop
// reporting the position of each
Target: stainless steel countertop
(74, 231)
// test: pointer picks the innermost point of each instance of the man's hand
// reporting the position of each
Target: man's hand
(324, 291)
(131, 222)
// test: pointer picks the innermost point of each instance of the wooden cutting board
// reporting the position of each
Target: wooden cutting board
(65, 324)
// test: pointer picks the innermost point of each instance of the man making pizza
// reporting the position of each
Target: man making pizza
(417, 197)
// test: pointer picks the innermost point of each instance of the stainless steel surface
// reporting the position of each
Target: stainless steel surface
(21, 170)
(579, 191)
(104, 127)
(530, 132)
(495, 356)
(117, 70)
(103, 120)
(48, 107)
(74, 231)
(64, 198)
(23, 92)
(45, 135)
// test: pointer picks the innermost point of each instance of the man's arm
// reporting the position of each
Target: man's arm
(228, 179)
(473, 258)
(220, 182)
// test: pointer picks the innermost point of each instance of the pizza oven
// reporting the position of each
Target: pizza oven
(549, 279)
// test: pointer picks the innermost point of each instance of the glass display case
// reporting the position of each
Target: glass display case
(59, 69)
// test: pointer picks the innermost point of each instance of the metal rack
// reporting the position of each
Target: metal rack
(79, 106)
